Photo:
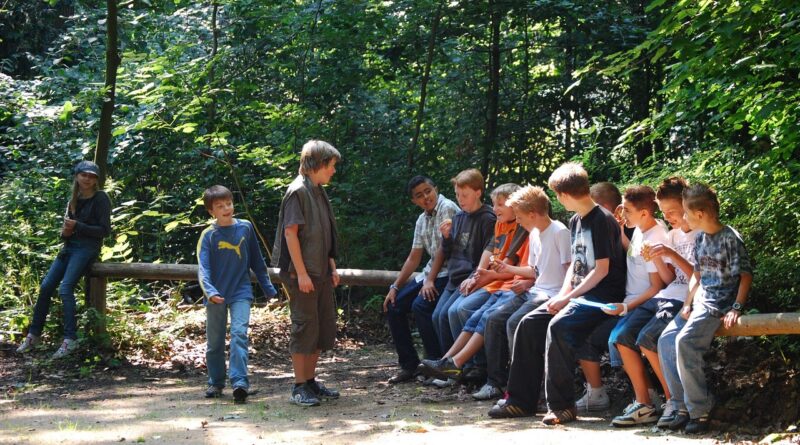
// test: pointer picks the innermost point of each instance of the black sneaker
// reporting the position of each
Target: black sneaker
(431, 362)
(475, 375)
(240, 394)
(303, 396)
(697, 426)
(321, 391)
(508, 410)
(213, 392)
(403, 376)
(444, 369)
(679, 421)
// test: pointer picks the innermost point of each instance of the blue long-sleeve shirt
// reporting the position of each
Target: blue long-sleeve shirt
(225, 256)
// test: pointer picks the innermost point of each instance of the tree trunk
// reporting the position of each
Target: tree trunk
(423, 92)
(107, 111)
(212, 71)
(522, 131)
(569, 102)
(492, 107)
(639, 91)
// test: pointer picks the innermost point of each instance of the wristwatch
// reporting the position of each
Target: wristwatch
(394, 286)
(737, 306)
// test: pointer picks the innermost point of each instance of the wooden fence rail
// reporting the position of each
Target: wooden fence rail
(100, 273)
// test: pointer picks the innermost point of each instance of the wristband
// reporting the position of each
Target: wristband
(624, 310)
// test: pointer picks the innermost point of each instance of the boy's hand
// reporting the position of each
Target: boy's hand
(730, 318)
(445, 227)
(520, 286)
(216, 299)
(428, 291)
(335, 278)
(466, 286)
(500, 267)
(618, 308)
(390, 299)
(557, 303)
(305, 284)
(618, 215)
(685, 312)
(659, 249)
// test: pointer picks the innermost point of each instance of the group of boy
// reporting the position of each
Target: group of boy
(508, 296)
(520, 304)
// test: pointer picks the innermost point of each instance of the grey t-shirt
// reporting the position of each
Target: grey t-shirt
(720, 259)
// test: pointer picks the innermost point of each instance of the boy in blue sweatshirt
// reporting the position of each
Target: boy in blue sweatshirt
(226, 252)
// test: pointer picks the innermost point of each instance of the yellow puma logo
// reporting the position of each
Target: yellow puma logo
(235, 248)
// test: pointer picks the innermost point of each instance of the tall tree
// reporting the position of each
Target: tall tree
(423, 89)
(109, 91)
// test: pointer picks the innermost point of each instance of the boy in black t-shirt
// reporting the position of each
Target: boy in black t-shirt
(550, 335)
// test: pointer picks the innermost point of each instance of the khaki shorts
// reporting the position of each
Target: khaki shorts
(313, 317)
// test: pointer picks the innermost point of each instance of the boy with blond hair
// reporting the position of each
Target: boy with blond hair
(550, 336)
(718, 291)
(305, 252)
(545, 267)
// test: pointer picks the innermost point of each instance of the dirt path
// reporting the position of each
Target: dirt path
(128, 406)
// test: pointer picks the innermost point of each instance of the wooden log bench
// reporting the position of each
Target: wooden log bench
(100, 273)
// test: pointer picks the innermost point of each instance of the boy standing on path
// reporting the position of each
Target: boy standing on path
(717, 293)
(423, 291)
(305, 252)
(226, 252)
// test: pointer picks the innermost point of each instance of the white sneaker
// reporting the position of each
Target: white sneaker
(28, 344)
(439, 383)
(637, 414)
(594, 399)
(66, 348)
(487, 391)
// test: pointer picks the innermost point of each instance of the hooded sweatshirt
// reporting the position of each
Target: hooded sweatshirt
(470, 235)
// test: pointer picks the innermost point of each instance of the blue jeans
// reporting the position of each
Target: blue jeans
(441, 324)
(680, 352)
(476, 322)
(463, 308)
(642, 327)
(216, 321)
(69, 266)
(406, 300)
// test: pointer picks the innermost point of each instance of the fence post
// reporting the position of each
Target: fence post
(97, 300)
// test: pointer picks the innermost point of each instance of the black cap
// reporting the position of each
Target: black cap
(87, 167)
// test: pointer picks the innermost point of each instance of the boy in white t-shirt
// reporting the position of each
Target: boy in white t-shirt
(645, 278)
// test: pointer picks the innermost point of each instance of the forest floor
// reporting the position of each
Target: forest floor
(144, 402)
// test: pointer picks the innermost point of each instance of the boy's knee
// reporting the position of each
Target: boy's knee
(623, 338)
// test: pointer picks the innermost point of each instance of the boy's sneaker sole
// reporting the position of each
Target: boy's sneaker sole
(297, 400)
(240, 395)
